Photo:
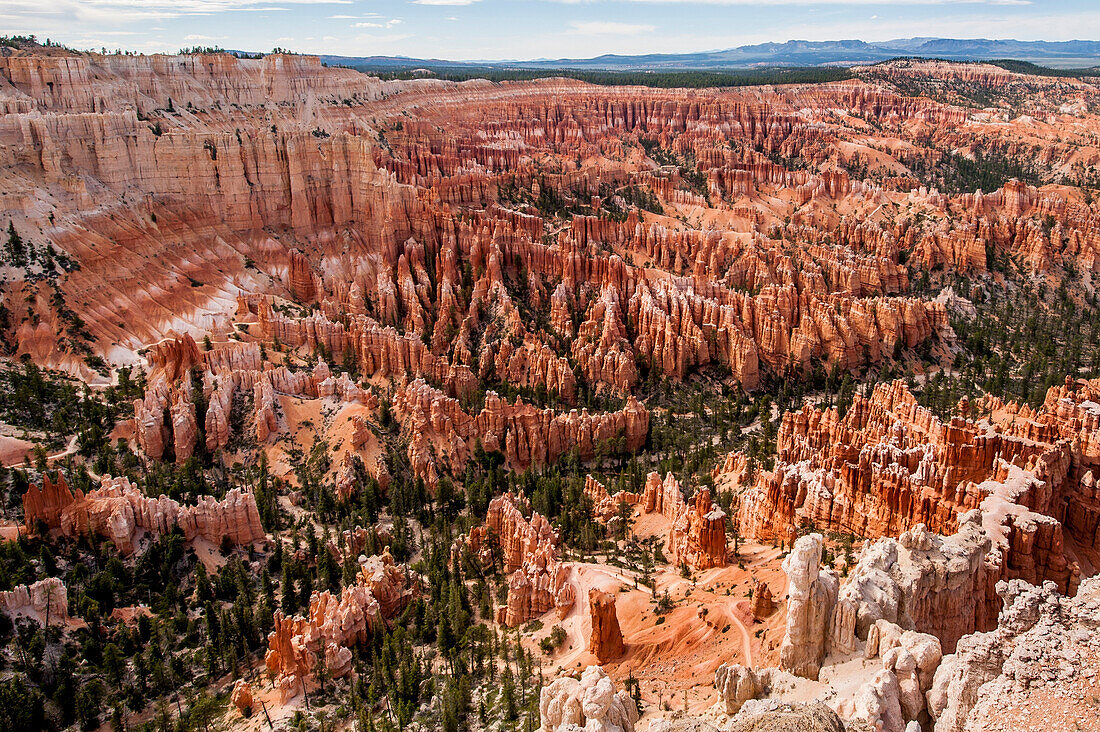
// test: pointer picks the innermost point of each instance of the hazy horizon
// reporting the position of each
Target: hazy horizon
(503, 30)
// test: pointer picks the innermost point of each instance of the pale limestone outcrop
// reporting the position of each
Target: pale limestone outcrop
(43, 600)
(736, 684)
(773, 715)
(812, 596)
(877, 705)
(895, 695)
(924, 582)
(1042, 639)
(681, 725)
(591, 703)
(913, 664)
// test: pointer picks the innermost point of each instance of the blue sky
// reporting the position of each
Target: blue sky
(525, 29)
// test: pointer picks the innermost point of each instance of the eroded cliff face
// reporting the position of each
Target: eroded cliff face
(879, 640)
(341, 238)
(428, 274)
(944, 609)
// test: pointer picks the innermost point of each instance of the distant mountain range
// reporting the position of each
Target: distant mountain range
(1058, 54)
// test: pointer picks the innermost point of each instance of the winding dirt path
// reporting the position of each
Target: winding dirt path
(746, 641)
(69, 450)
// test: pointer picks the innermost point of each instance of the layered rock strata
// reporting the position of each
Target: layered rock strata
(984, 499)
(439, 430)
(416, 252)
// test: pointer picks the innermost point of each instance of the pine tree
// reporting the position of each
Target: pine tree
(288, 598)
(14, 247)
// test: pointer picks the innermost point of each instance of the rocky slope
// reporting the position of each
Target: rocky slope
(940, 616)
(889, 466)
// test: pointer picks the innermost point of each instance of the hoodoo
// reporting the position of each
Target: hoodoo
(606, 643)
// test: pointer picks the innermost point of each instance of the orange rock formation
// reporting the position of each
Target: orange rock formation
(697, 532)
(1000, 497)
(46, 504)
(606, 641)
(335, 622)
(117, 511)
(698, 536)
(530, 550)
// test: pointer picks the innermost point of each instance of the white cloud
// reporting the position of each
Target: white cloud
(610, 28)
(121, 11)
(371, 24)
(444, 2)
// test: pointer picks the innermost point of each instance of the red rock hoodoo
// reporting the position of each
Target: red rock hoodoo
(606, 641)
